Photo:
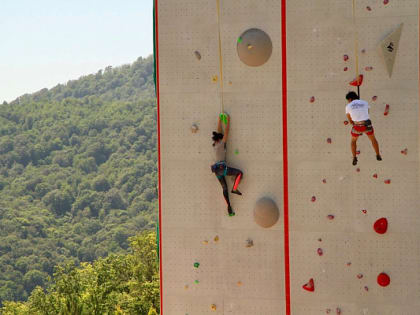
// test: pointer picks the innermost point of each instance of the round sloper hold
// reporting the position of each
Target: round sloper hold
(254, 47)
(381, 226)
(383, 279)
(266, 212)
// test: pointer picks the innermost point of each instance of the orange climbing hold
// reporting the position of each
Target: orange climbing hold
(309, 286)
(386, 112)
(357, 81)
(383, 279)
(381, 226)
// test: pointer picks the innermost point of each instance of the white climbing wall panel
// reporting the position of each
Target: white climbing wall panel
(239, 280)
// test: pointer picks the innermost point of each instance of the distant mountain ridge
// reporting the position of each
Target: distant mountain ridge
(78, 173)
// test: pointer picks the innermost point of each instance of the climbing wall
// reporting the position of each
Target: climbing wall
(323, 254)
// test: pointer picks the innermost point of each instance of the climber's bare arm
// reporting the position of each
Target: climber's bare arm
(225, 137)
(219, 125)
(349, 119)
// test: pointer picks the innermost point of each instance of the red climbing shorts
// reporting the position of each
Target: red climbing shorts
(359, 129)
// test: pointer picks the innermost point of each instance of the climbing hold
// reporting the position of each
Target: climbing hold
(254, 47)
(358, 170)
(330, 217)
(348, 264)
(363, 51)
(312, 99)
(405, 151)
(324, 181)
(338, 311)
(205, 242)
(313, 199)
(230, 83)
(369, 68)
(197, 281)
(375, 175)
(386, 2)
(266, 212)
(309, 286)
(196, 264)
(386, 112)
(366, 288)
(236, 151)
(374, 98)
(319, 239)
(197, 55)
(216, 238)
(383, 279)
(368, 8)
(194, 128)
(364, 211)
(357, 81)
(387, 181)
(213, 307)
(223, 117)
(215, 78)
(249, 243)
(381, 226)
(359, 276)
(346, 123)
(345, 57)
(346, 68)
(320, 252)
(389, 48)
(329, 140)
(328, 311)
(239, 283)
(358, 152)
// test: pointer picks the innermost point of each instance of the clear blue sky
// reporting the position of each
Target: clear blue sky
(46, 42)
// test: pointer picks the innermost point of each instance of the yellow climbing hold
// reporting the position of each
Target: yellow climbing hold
(215, 78)
(213, 307)
(250, 47)
(216, 238)
(205, 242)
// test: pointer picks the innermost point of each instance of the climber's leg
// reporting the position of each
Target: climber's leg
(375, 145)
(222, 181)
(354, 148)
(238, 173)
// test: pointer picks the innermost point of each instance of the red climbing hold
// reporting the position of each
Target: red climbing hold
(383, 279)
(346, 68)
(386, 112)
(374, 98)
(309, 286)
(366, 288)
(357, 81)
(346, 123)
(386, 2)
(320, 251)
(364, 211)
(368, 8)
(375, 175)
(338, 311)
(312, 99)
(359, 276)
(387, 181)
(358, 170)
(381, 226)
(369, 68)
(313, 199)
(405, 151)
(330, 217)
(345, 57)
(324, 181)
(329, 140)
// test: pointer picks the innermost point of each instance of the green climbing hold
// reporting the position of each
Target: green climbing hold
(196, 265)
(223, 117)
(240, 40)
(196, 282)
(236, 151)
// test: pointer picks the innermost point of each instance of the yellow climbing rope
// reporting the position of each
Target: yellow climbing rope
(222, 105)
(356, 40)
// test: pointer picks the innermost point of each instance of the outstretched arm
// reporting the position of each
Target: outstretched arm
(219, 125)
(225, 137)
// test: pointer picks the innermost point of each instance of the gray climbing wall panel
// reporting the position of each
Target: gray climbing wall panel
(242, 280)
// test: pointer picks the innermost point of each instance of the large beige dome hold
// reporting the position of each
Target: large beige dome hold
(266, 212)
(254, 47)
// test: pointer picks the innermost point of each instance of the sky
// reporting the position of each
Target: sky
(46, 42)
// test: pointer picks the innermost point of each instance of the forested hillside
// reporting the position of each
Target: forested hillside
(78, 174)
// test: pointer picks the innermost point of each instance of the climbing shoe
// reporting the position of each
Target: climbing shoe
(355, 161)
(232, 214)
(379, 157)
(230, 211)
(236, 192)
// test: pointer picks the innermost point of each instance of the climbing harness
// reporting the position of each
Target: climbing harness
(219, 166)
